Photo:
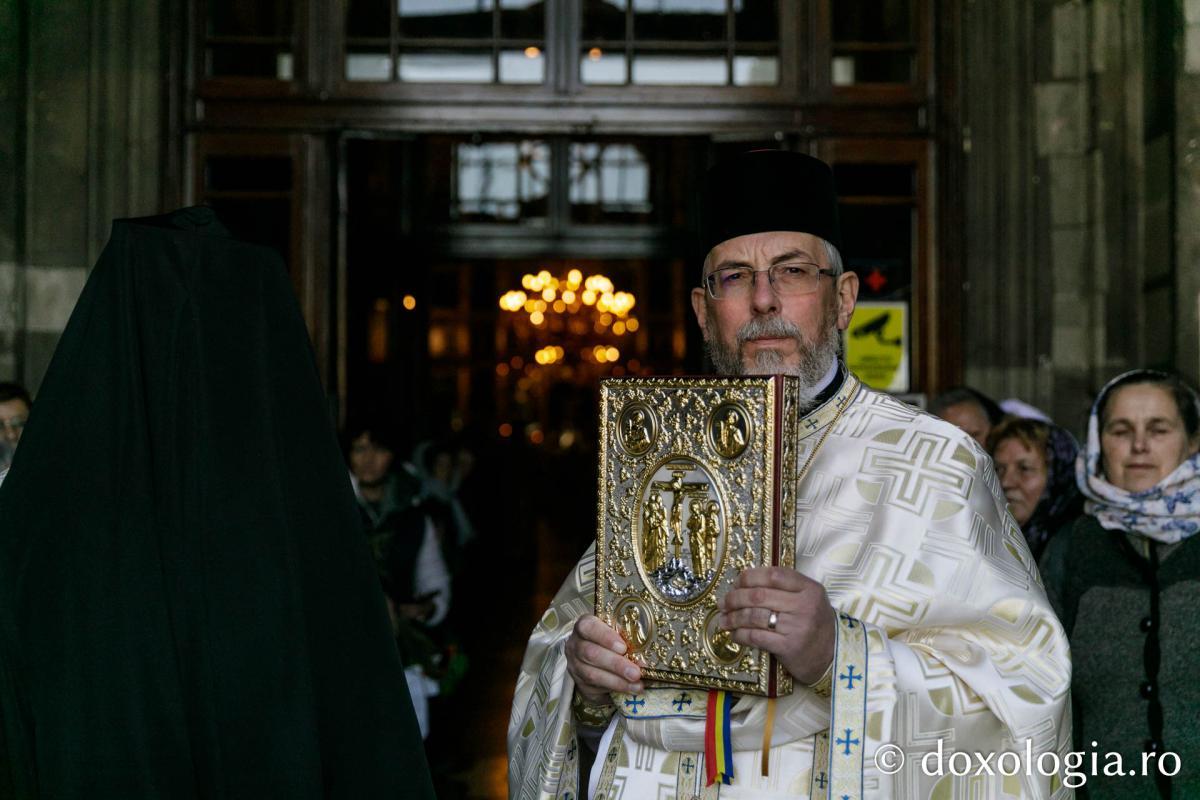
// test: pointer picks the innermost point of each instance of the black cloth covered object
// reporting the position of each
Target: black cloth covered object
(187, 604)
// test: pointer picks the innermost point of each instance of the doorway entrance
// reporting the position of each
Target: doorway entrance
(442, 232)
(488, 285)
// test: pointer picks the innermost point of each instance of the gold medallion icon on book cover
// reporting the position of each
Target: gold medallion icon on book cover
(693, 474)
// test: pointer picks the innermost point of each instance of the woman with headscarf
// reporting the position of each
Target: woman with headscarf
(1035, 462)
(187, 606)
(1124, 579)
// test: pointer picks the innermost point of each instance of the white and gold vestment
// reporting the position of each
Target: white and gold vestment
(901, 518)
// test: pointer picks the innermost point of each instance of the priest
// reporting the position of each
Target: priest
(914, 624)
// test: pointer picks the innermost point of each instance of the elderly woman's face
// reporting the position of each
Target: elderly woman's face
(1142, 437)
(1022, 474)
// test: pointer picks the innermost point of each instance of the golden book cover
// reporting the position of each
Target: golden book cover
(697, 483)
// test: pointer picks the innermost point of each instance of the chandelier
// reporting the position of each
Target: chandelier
(572, 318)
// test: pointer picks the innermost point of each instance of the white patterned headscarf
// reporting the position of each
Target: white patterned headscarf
(1167, 512)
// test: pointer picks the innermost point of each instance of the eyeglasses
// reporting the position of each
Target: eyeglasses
(792, 278)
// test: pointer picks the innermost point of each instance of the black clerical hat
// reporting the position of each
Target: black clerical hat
(769, 190)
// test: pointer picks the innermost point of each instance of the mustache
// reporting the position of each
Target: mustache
(769, 328)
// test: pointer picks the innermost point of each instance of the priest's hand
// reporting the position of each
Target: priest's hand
(805, 626)
(596, 661)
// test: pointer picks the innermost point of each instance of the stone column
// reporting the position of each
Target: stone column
(1067, 201)
(1187, 196)
(1001, 307)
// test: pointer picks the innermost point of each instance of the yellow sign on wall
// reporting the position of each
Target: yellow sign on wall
(877, 345)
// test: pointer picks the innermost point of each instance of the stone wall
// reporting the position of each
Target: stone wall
(1187, 194)
(1082, 261)
(81, 131)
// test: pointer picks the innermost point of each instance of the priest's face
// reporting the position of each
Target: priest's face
(760, 332)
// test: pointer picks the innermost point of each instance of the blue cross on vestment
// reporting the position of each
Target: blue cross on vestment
(634, 704)
(845, 797)
(849, 620)
(688, 764)
(810, 423)
(849, 677)
(847, 742)
(683, 699)
(822, 780)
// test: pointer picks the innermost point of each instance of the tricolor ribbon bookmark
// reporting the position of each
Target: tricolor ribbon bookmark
(718, 745)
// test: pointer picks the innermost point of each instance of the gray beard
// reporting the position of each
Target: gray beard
(815, 358)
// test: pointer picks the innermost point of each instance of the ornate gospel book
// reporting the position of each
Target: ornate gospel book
(697, 483)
